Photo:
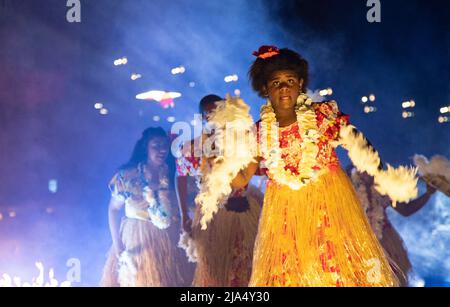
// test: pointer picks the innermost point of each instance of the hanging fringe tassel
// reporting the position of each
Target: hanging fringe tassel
(400, 184)
(230, 118)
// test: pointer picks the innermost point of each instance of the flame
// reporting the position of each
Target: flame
(38, 281)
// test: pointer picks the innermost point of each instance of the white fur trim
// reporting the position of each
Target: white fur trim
(189, 246)
(229, 115)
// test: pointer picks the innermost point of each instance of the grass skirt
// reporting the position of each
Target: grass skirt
(225, 248)
(151, 258)
(395, 249)
(317, 236)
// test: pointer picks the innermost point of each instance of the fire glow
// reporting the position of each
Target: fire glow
(39, 281)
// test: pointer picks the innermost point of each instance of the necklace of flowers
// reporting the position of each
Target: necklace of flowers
(271, 151)
(158, 205)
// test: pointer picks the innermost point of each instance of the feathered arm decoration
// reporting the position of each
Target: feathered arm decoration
(400, 184)
(438, 165)
(188, 244)
(435, 172)
(236, 143)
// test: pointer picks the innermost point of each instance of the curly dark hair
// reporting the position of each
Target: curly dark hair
(287, 59)
(208, 99)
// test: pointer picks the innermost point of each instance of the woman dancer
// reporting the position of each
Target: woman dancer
(144, 251)
(224, 251)
(312, 231)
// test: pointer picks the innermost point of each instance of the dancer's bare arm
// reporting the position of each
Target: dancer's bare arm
(114, 208)
(181, 189)
(245, 175)
(408, 209)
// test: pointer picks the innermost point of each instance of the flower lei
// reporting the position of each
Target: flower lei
(159, 201)
(265, 52)
(306, 119)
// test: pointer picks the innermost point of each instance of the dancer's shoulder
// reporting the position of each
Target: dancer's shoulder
(327, 106)
(120, 181)
(330, 110)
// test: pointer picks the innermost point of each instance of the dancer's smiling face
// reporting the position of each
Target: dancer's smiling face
(157, 150)
(283, 88)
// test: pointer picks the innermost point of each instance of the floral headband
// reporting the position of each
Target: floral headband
(265, 52)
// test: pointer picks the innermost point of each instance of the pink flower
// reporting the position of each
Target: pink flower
(265, 52)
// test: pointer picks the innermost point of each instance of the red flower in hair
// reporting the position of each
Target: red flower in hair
(265, 52)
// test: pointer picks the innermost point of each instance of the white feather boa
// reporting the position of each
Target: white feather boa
(231, 117)
(188, 244)
(435, 172)
(438, 165)
(364, 158)
(400, 184)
